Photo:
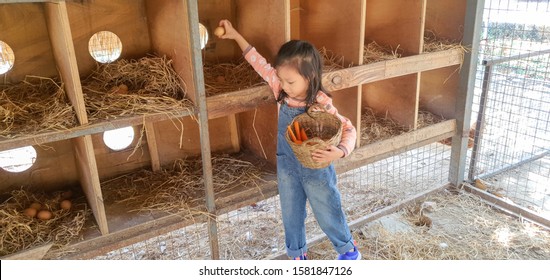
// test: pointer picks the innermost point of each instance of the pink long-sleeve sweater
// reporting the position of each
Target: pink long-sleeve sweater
(269, 74)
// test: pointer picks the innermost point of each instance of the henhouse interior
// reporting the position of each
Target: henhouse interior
(130, 130)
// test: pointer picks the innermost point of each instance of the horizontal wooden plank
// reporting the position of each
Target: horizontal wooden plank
(423, 62)
(48, 137)
(238, 101)
(508, 207)
(36, 253)
(382, 70)
(249, 99)
(95, 244)
(396, 145)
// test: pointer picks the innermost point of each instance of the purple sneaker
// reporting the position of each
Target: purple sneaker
(351, 255)
(301, 258)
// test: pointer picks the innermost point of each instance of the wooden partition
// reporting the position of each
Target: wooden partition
(338, 29)
(264, 24)
(396, 25)
(439, 87)
(50, 50)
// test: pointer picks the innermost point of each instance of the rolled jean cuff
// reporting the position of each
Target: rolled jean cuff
(296, 253)
(346, 247)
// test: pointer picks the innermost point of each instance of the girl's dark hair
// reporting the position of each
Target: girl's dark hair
(306, 59)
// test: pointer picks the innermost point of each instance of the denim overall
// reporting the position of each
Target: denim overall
(297, 183)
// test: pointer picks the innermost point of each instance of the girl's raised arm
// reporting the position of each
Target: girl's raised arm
(232, 33)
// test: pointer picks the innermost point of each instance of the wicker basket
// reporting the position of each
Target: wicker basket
(323, 129)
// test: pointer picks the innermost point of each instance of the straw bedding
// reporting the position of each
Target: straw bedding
(462, 227)
(180, 187)
(373, 52)
(434, 43)
(33, 106)
(376, 128)
(227, 77)
(20, 232)
(234, 76)
(134, 87)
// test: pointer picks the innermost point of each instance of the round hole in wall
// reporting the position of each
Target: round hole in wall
(119, 139)
(105, 46)
(17, 160)
(204, 35)
(7, 58)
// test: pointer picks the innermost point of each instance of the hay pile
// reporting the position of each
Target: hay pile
(426, 118)
(33, 106)
(375, 128)
(433, 43)
(227, 77)
(134, 87)
(463, 228)
(20, 232)
(181, 187)
(373, 53)
(332, 61)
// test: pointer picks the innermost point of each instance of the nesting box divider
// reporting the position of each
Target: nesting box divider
(439, 87)
(247, 110)
(398, 26)
(34, 54)
(162, 30)
(338, 31)
(63, 49)
(51, 39)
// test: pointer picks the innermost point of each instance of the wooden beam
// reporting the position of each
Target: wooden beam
(64, 54)
(234, 131)
(378, 71)
(226, 202)
(36, 253)
(239, 101)
(396, 145)
(200, 101)
(89, 179)
(152, 145)
(508, 207)
(54, 136)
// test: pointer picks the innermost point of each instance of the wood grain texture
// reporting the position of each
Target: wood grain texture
(126, 18)
(168, 27)
(337, 27)
(396, 145)
(89, 179)
(25, 30)
(64, 54)
(36, 253)
(397, 23)
(445, 18)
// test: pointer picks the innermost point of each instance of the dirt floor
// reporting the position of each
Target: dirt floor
(447, 226)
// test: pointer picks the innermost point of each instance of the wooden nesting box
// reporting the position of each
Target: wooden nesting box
(51, 39)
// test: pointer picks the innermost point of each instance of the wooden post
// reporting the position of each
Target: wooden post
(198, 81)
(472, 25)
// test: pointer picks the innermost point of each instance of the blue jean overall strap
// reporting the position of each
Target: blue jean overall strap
(297, 184)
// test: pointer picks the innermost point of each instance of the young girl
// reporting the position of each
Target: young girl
(295, 79)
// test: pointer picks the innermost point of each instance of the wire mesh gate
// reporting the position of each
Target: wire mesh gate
(511, 154)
